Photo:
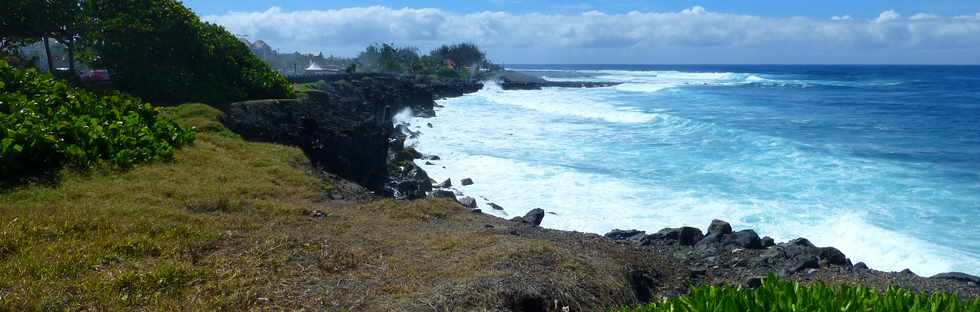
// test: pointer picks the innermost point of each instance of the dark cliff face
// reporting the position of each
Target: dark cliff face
(343, 126)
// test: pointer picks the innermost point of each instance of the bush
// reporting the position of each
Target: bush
(45, 124)
(778, 295)
(160, 51)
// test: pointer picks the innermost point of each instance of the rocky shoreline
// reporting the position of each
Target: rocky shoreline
(346, 128)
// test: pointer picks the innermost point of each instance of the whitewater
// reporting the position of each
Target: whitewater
(880, 162)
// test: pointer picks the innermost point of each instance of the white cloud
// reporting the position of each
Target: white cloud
(841, 18)
(349, 29)
(698, 10)
(922, 16)
(888, 16)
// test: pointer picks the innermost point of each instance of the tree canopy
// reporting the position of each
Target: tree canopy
(161, 51)
(155, 49)
(463, 54)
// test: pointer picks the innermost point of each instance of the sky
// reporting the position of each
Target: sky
(624, 31)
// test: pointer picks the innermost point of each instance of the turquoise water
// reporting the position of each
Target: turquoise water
(881, 162)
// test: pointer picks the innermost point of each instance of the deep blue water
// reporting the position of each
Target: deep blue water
(882, 162)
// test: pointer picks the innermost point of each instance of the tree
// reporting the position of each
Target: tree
(160, 51)
(68, 23)
(463, 54)
(24, 21)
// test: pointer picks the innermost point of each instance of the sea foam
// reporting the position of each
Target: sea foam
(609, 158)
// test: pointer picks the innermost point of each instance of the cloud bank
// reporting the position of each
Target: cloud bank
(344, 31)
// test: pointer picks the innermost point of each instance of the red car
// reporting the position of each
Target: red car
(96, 75)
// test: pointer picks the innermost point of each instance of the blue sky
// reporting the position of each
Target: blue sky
(626, 31)
(773, 8)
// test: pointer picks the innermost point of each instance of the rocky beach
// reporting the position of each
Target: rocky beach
(356, 117)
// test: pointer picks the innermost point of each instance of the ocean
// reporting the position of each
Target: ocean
(882, 162)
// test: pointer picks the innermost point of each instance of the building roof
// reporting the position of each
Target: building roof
(314, 67)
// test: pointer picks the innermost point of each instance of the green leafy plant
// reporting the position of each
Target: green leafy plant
(45, 124)
(159, 50)
(778, 295)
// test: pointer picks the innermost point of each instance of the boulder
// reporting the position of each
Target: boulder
(767, 242)
(799, 254)
(802, 264)
(833, 256)
(801, 242)
(685, 236)
(466, 181)
(495, 206)
(959, 277)
(719, 227)
(717, 230)
(406, 154)
(443, 194)
(744, 238)
(446, 184)
(630, 235)
(861, 265)
(435, 157)
(533, 217)
(410, 182)
(468, 202)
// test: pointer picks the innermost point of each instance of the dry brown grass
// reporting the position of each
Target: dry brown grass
(225, 227)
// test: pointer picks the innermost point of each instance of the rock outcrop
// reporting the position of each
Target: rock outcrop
(511, 80)
(344, 126)
(533, 217)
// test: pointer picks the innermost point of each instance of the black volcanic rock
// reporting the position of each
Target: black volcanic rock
(446, 184)
(618, 234)
(685, 236)
(745, 239)
(719, 227)
(343, 126)
(443, 194)
(833, 256)
(468, 202)
(957, 276)
(533, 217)
(409, 182)
(767, 242)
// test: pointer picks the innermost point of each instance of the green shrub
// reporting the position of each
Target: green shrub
(778, 295)
(45, 124)
(160, 51)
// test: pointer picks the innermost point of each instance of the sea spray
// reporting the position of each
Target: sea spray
(827, 154)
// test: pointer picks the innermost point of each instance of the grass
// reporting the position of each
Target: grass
(225, 227)
(778, 295)
(113, 240)
(303, 87)
(201, 117)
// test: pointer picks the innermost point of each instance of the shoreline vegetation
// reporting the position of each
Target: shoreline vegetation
(279, 196)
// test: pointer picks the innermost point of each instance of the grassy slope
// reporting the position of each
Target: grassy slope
(225, 227)
(151, 235)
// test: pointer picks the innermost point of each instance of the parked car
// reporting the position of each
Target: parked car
(95, 75)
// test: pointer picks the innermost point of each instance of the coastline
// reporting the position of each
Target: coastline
(669, 260)
(589, 157)
(487, 205)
